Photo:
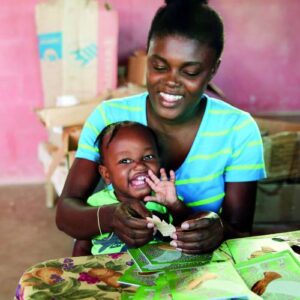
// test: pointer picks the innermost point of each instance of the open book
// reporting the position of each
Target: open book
(246, 268)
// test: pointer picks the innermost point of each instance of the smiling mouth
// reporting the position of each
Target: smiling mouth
(170, 98)
(139, 182)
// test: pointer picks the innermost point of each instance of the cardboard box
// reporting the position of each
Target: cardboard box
(277, 203)
(281, 148)
(65, 116)
(137, 68)
(77, 48)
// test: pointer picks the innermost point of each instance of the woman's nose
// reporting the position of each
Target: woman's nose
(172, 79)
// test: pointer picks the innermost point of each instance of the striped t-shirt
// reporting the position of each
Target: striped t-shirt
(227, 148)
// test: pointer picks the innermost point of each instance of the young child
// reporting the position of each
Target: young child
(130, 164)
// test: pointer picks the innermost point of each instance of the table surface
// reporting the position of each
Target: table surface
(91, 277)
(86, 277)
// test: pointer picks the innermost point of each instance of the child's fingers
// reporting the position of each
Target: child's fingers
(163, 174)
(151, 183)
(149, 198)
(172, 176)
(153, 177)
(156, 199)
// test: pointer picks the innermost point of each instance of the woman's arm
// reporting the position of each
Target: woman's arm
(238, 208)
(73, 215)
(200, 234)
(77, 219)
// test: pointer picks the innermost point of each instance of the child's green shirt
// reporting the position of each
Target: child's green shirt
(108, 242)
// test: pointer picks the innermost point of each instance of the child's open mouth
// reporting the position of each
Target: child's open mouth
(139, 181)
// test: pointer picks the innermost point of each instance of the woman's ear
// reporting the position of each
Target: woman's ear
(215, 68)
(104, 174)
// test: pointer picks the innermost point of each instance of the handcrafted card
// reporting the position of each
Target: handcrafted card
(213, 281)
(150, 293)
(133, 276)
(162, 256)
(248, 248)
(273, 276)
(143, 263)
(163, 253)
(243, 249)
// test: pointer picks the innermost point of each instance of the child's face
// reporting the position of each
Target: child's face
(129, 156)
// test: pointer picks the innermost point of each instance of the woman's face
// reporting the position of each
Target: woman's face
(178, 72)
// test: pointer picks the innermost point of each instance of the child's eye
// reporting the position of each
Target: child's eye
(125, 161)
(149, 157)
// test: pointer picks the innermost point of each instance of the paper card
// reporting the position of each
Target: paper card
(248, 248)
(222, 254)
(163, 253)
(133, 276)
(142, 262)
(162, 256)
(144, 265)
(272, 276)
(162, 226)
(151, 293)
(212, 281)
(127, 295)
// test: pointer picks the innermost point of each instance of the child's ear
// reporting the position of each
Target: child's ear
(104, 174)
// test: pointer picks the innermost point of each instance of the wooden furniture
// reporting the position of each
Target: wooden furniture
(57, 160)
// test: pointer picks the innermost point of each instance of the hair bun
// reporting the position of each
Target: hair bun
(174, 1)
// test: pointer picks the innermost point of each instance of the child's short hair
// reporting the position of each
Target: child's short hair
(113, 129)
(193, 19)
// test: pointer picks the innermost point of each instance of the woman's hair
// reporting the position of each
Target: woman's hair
(113, 129)
(192, 19)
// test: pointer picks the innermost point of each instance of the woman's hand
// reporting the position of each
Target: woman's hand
(130, 225)
(203, 232)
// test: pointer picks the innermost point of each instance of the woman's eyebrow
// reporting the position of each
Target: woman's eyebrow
(156, 56)
(185, 64)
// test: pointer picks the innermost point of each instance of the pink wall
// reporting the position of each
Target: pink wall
(20, 91)
(258, 71)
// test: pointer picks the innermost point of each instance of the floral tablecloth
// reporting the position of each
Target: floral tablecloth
(86, 277)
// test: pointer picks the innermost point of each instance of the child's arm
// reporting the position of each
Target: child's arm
(165, 194)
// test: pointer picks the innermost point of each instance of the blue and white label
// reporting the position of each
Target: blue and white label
(85, 55)
(50, 46)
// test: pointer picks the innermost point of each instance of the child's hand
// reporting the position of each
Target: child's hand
(164, 188)
(129, 223)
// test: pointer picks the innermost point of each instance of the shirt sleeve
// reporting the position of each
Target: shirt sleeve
(87, 148)
(247, 158)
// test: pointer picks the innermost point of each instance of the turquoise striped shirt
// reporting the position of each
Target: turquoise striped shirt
(227, 148)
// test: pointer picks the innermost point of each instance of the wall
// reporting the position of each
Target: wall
(20, 91)
(260, 68)
(259, 71)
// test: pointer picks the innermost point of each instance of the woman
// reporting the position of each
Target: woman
(215, 148)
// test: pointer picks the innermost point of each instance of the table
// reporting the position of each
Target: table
(96, 277)
(85, 277)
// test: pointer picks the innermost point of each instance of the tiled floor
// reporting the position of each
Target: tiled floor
(28, 234)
